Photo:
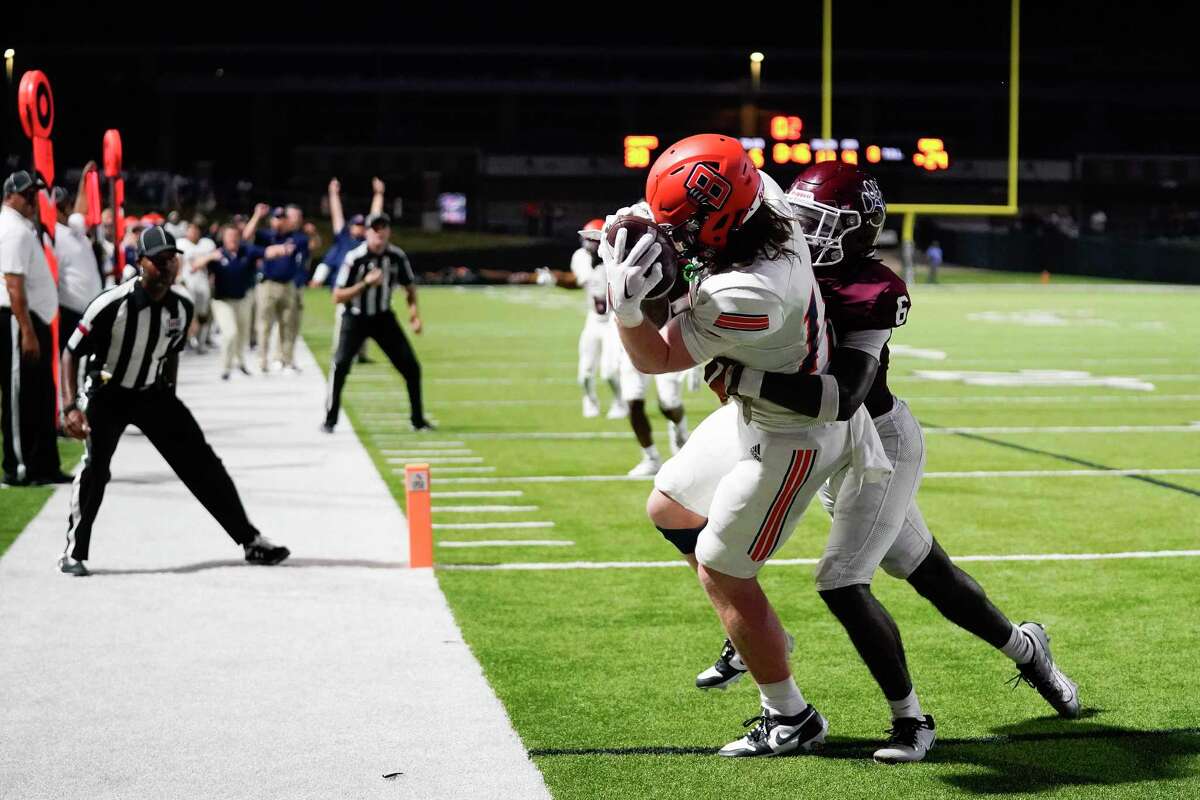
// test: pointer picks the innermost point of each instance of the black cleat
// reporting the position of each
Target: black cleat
(69, 566)
(327, 427)
(423, 426)
(262, 551)
(729, 667)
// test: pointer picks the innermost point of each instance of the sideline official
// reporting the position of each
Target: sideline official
(132, 335)
(28, 305)
(363, 291)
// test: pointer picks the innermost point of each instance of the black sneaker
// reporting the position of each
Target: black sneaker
(729, 667)
(263, 551)
(777, 736)
(69, 566)
(423, 426)
(1043, 674)
(911, 738)
(224, 376)
(327, 427)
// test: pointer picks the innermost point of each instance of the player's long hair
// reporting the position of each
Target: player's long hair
(767, 235)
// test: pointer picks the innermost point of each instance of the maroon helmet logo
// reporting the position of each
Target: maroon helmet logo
(707, 188)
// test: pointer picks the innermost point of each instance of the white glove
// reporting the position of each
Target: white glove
(544, 277)
(639, 209)
(630, 276)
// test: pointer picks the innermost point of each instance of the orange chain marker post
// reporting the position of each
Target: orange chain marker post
(420, 519)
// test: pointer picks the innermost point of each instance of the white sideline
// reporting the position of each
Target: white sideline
(1001, 473)
(184, 672)
(481, 509)
(444, 495)
(510, 543)
(789, 562)
(487, 526)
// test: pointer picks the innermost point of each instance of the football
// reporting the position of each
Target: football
(638, 227)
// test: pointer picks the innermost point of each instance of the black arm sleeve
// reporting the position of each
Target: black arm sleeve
(853, 369)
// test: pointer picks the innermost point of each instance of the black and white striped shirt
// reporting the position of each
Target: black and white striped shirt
(375, 299)
(129, 336)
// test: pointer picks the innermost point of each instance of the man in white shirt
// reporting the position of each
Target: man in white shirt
(599, 343)
(79, 279)
(28, 306)
(198, 250)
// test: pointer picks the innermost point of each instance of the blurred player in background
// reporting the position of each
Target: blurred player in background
(734, 494)
(842, 211)
(197, 251)
(599, 344)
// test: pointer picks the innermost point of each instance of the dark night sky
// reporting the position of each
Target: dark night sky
(1101, 76)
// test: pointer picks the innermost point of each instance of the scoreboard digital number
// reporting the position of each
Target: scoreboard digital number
(788, 146)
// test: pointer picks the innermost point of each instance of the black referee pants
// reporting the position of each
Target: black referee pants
(27, 403)
(352, 331)
(173, 431)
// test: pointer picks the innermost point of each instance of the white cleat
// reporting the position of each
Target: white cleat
(1043, 674)
(646, 468)
(678, 436)
(729, 668)
(618, 410)
(911, 738)
(591, 409)
(778, 735)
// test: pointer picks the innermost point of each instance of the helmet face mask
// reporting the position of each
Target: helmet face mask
(823, 226)
(841, 211)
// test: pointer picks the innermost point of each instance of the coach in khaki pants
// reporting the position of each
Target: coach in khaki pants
(275, 297)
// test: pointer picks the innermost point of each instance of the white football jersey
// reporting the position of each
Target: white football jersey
(768, 316)
(589, 276)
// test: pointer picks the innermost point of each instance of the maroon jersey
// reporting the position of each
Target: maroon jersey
(865, 295)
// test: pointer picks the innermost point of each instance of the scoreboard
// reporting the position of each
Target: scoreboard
(786, 144)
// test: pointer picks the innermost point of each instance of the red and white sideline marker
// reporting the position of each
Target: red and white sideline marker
(420, 518)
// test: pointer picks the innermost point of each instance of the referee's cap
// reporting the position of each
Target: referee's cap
(155, 240)
(379, 220)
(357, 219)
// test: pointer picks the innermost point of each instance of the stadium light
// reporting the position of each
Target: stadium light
(9, 55)
(756, 59)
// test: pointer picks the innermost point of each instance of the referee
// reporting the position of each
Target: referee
(131, 336)
(363, 288)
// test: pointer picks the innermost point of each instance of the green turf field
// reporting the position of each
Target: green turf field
(19, 505)
(595, 666)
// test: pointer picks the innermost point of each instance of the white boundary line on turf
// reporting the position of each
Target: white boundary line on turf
(1193, 427)
(421, 453)
(1014, 473)
(508, 493)
(968, 399)
(481, 509)
(438, 460)
(510, 543)
(483, 526)
(787, 562)
(439, 471)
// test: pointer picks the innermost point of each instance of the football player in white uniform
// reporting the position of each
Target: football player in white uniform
(756, 302)
(599, 344)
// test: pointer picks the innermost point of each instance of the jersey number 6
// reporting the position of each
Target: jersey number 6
(901, 310)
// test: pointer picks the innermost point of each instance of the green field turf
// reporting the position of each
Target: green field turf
(595, 666)
(19, 505)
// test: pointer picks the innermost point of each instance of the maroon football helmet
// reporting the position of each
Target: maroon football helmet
(840, 209)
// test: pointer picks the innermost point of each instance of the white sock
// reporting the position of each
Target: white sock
(651, 453)
(681, 428)
(906, 707)
(1019, 647)
(782, 699)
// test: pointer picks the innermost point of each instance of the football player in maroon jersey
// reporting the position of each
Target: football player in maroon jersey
(841, 210)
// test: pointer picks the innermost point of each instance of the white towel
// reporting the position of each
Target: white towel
(868, 461)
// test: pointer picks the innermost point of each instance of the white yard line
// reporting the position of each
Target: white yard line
(1016, 473)
(1075, 399)
(415, 453)
(482, 509)
(1193, 428)
(447, 495)
(484, 526)
(437, 460)
(787, 562)
(439, 471)
(511, 543)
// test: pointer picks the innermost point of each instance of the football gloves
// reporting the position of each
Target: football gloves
(631, 275)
